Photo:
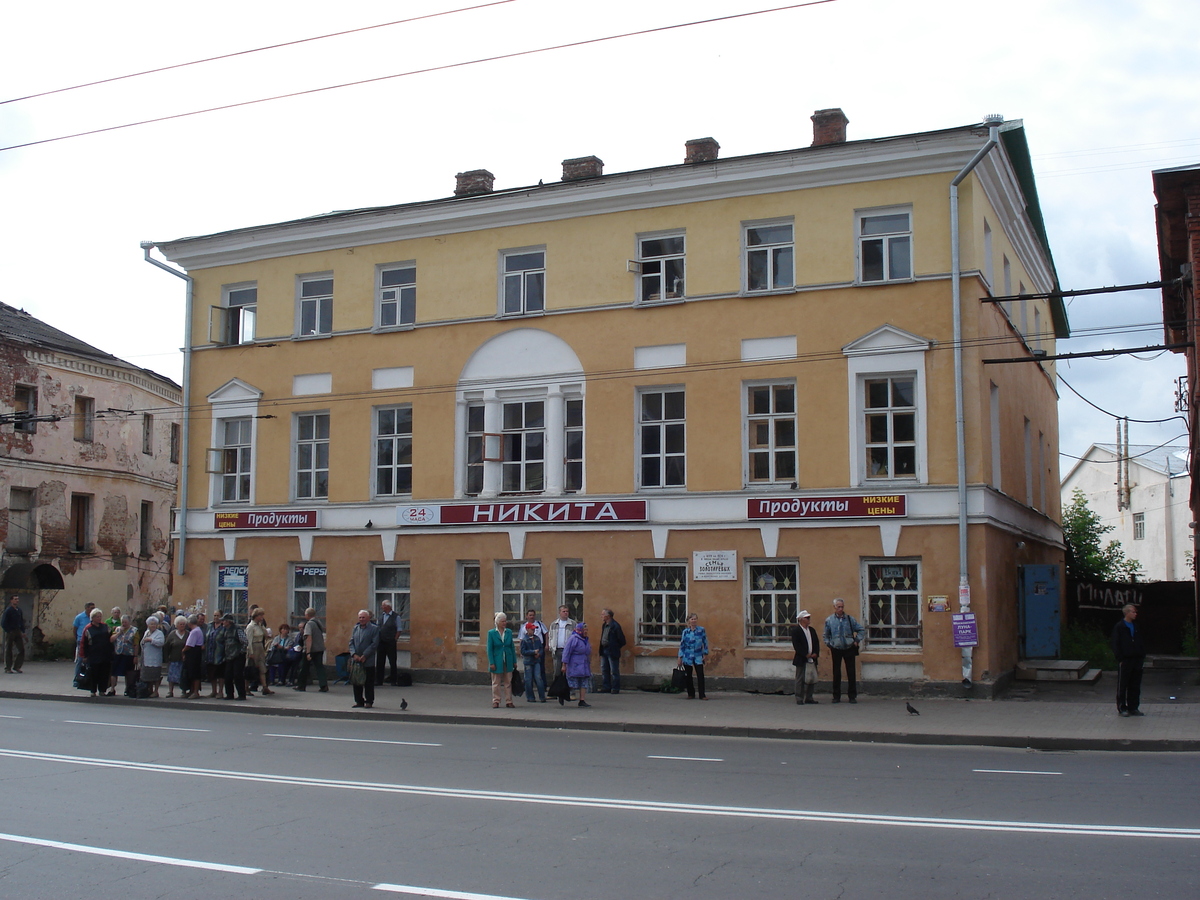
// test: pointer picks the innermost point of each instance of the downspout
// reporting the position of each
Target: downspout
(184, 450)
(964, 585)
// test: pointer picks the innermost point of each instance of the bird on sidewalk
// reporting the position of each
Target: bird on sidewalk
(403, 703)
(912, 710)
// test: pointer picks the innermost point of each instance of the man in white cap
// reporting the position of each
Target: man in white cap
(808, 648)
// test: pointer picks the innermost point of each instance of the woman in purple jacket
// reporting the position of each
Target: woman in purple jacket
(577, 662)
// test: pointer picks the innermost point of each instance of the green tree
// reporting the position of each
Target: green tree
(1088, 558)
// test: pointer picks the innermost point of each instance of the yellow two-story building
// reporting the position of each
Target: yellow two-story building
(725, 387)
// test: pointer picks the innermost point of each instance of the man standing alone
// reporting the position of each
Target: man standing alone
(843, 634)
(612, 639)
(12, 623)
(1130, 651)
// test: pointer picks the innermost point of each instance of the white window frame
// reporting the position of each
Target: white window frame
(523, 461)
(771, 251)
(468, 589)
(237, 471)
(235, 321)
(302, 596)
(662, 454)
(571, 592)
(652, 285)
(778, 629)
(403, 296)
(399, 444)
(1139, 526)
(665, 629)
(317, 304)
(889, 241)
(234, 400)
(891, 412)
(310, 447)
(522, 279)
(573, 434)
(870, 594)
(234, 600)
(400, 596)
(770, 449)
(514, 600)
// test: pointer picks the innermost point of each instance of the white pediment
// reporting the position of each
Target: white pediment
(235, 391)
(886, 339)
(519, 354)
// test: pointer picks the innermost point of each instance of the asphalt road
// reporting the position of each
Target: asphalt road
(128, 802)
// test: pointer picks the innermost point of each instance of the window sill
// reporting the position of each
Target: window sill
(388, 329)
(773, 292)
(310, 337)
(908, 280)
(669, 301)
(521, 315)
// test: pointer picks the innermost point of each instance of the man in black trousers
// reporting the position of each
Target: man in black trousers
(389, 627)
(1130, 651)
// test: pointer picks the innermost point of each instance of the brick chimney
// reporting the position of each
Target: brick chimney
(829, 127)
(701, 150)
(582, 167)
(477, 181)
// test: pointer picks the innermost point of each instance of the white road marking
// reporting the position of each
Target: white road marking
(643, 806)
(125, 854)
(313, 737)
(123, 725)
(689, 758)
(12, 717)
(1013, 772)
(434, 892)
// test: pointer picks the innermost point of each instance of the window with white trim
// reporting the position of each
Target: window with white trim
(312, 456)
(468, 600)
(235, 320)
(233, 590)
(236, 453)
(573, 447)
(662, 590)
(773, 594)
(390, 582)
(393, 451)
(523, 282)
(523, 447)
(771, 433)
(532, 446)
(520, 589)
(893, 602)
(397, 293)
(316, 306)
(662, 260)
(769, 256)
(1139, 526)
(570, 588)
(308, 590)
(661, 438)
(474, 447)
(885, 245)
(890, 417)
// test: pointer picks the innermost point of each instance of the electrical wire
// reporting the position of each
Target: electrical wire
(1114, 415)
(196, 62)
(457, 65)
(1110, 462)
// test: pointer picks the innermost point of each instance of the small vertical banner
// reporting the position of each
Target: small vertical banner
(966, 632)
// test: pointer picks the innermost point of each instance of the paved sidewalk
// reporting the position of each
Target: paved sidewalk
(1082, 723)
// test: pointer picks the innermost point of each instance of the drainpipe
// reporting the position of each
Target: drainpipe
(964, 585)
(184, 439)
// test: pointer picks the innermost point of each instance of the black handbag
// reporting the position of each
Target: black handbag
(559, 687)
(679, 678)
(518, 682)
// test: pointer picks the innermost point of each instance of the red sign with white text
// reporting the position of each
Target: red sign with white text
(523, 513)
(302, 518)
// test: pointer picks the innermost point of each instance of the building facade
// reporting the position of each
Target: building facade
(723, 387)
(1144, 501)
(89, 450)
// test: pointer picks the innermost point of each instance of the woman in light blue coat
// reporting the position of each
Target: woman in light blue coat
(693, 652)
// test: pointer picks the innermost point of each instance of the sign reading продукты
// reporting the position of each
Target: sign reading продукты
(872, 506)
(966, 632)
(293, 518)
(566, 511)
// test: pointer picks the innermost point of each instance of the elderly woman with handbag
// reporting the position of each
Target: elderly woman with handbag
(502, 659)
(693, 652)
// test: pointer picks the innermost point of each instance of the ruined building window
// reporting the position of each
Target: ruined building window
(81, 523)
(85, 417)
(146, 529)
(24, 409)
(147, 433)
(175, 437)
(20, 521)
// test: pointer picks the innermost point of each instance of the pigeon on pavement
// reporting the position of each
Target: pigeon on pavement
(403, 703)
(912, 710)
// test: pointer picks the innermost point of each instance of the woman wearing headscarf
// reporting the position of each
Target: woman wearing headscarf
(96, 647)
(502, 659)
(693, 651)
(152, 654)
(125, 649)
(577, 663)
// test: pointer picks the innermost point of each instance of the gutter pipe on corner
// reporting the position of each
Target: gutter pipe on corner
(147, 246)
(964, 584)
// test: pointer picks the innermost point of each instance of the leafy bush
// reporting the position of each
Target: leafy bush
(1090, 643)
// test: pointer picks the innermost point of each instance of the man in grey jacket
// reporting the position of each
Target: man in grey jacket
(364, 646)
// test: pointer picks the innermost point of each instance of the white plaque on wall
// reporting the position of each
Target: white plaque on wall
(714, 565)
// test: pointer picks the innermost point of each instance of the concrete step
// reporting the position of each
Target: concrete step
(1091, 676)
(1052, 670)
(1172, 662)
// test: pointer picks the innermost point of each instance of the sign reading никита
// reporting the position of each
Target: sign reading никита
(870, 506)
(523, 513)
(302, 518)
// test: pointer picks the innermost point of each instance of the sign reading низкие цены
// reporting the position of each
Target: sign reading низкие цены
(869, 506)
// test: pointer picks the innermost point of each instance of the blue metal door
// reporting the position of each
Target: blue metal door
(1040, 612)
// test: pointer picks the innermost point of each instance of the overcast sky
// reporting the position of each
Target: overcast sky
(1108, 92)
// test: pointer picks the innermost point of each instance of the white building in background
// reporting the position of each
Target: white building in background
(1153, 527)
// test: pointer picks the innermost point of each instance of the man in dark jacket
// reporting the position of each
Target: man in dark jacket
(389, 628)
(364, 647)
(808, 648)
(12, 623)
(1130, 651)
(612, 639)
(233, 638)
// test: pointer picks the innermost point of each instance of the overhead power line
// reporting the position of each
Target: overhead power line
(457, 65)
(196, 62)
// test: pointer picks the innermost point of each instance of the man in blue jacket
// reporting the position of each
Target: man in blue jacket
(81, 622)
(843, 634)
(12, 623)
